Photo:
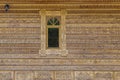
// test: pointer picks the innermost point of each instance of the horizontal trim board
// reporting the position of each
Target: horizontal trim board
(2, 45)
(70, 56)
(43, 68)
(59, 1)
(59, 62)
(20, 11)
(36, 7)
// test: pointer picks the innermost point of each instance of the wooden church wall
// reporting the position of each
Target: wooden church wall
(92, 39)
(92, 31)
(19, 33)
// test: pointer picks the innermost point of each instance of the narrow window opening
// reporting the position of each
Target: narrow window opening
(53, 25)
(53, 37)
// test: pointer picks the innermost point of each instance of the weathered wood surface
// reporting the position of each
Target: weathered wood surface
(92, 30)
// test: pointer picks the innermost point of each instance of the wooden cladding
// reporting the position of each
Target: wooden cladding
(19, 11)
(88, 33)
(93, 11)
(90, 28)
(35, 8)
(59, 6)
(19, 33)
(57, 1)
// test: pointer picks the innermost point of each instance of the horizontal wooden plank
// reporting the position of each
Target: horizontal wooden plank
(18, 20)
(57, 62)
(9, 21)
(59, 1)
(93, 11)
(92, 33)
(19, 45)
(92, 21)
(20, 15)
(62, 6)
(20, 34)
(19, 50)
(19, 25)
(92, 41)
(89, 29)
(102, 55)
(20, 40)
(84, 45)
(92, 17)
(94, 45)
(60, 68)
(94, 51)
(84, 49)
(75, 35)
(19, 30)
(20, 11)
(92, 25)
(92, 37)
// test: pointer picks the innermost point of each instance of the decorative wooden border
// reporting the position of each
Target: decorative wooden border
(62, 51)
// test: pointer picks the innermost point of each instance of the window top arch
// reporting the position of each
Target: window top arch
(53, 21)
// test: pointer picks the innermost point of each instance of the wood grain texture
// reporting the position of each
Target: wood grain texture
(90, 32)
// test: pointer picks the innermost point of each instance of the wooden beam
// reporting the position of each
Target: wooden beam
(59, 1)
(60, 6)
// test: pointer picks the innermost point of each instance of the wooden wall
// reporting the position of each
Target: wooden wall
(92, 39)
(93, 31)
(19, 33)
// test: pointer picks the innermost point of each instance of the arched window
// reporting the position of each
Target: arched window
(53, 37)
(53, 25)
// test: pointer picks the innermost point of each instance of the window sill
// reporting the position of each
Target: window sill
(53, 51)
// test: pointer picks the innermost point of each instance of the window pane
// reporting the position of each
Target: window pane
(56, 21)
(53, 37)
(49, 23)
(53, 21)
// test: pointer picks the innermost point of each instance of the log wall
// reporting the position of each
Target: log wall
(91, 32)
(92, 40)
(19, 33)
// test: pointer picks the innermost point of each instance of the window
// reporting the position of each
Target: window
(53, 37)
(53, 25)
